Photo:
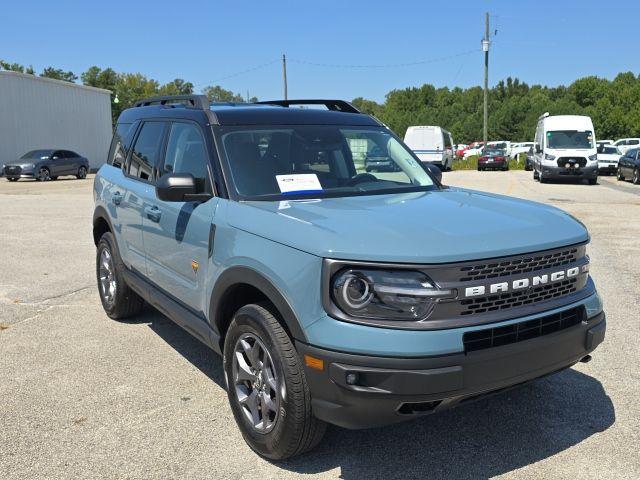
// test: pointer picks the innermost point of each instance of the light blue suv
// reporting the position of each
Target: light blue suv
(334, 295)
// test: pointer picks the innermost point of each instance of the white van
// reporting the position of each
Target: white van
(431, 144)
(565, 147)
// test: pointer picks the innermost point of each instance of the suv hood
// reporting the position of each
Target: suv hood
(439, 226)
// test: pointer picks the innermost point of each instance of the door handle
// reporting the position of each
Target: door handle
(116, 198)
(153, 213)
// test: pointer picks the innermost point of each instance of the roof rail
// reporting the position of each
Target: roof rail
(335, 105)
(196, 101)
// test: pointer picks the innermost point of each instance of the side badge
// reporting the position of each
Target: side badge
(195, 266)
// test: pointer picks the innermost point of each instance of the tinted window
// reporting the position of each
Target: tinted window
(57, 155)
(633, 142)
(120, 144)
(186, 153)
(37, 154)
(146, 150)
(632, 153)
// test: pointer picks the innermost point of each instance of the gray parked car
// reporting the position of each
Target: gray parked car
(46, 165)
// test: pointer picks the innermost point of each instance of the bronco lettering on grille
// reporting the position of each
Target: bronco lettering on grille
(523, 283)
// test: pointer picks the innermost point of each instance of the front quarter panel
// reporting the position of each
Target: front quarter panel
(295, 275)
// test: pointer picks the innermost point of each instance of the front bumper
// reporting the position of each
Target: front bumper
(389, 390)
(607, 167)
(555, 172)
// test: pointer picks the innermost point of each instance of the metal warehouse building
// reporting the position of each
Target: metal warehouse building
(37, 112)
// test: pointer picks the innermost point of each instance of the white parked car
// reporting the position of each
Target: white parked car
(608, 157)
(431, 144)
(474, 149)
(604, 142)
(625, 144)
(518, 148)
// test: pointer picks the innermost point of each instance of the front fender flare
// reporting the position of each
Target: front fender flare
(249, 276)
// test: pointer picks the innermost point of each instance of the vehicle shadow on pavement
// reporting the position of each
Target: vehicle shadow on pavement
(481, 439)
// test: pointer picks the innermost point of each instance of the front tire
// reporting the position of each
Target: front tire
(82, 173)
(619, 175)
(43, 175)
(118, 300)
(593, 181)
(636, 176)
(264, 374)
(12, 179)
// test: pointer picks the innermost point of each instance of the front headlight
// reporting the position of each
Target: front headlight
(30, 165)
(549, 157)
(385, 294)
(593, 158)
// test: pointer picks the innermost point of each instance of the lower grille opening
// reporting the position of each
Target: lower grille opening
(418, 408)
(518, 332)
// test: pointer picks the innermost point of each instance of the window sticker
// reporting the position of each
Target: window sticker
(299, 183)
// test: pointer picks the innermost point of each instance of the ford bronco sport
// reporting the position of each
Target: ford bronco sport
(334, 295)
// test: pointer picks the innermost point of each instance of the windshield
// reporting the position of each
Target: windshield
(611, 150)
(36, 154)
(314, 161)
(570, 139)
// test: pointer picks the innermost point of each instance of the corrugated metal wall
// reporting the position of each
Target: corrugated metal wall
(44, 113)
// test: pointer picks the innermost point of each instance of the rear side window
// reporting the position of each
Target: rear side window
(120, 144)
(146, 151)
(186, 153)
(633, 142)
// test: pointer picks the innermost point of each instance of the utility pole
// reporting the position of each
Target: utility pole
(284, 75)
(485, 48)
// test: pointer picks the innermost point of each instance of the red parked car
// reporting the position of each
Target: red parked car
(494, 159)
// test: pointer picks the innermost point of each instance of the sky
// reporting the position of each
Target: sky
(334, 48)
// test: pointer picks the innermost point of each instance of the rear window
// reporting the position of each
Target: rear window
(120, 144)
(146, 150)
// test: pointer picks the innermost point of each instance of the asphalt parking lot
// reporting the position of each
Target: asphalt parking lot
(82, 396)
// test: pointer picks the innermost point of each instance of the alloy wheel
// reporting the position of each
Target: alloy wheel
(107, 277)
(82, 173)
(44, 175)
(636, 176)
(256, 383)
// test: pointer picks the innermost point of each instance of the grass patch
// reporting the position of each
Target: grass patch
(471, 163)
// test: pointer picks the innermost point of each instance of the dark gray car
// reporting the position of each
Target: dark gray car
(46, 165)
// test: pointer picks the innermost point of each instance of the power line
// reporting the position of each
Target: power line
(241, 72)
(389, 65)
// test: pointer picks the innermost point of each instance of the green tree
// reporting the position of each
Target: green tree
(59, 74)
(16, 67)
(218, 94)
(177, 87)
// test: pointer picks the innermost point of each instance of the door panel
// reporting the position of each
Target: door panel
(176, 234)
(176, 240)
(133, 194)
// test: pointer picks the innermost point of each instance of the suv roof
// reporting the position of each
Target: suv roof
(277, 112)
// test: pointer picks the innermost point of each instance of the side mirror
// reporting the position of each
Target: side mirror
(179, 187)
(538, 149)
(435, 171)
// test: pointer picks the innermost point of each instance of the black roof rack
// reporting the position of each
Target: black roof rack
(334, 105)
(196, 101)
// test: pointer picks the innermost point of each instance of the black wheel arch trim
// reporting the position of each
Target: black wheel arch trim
(238, 275)
(100, 213)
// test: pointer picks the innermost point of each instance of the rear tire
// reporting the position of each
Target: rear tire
(593, 181)
(118, 300)
(279, 387)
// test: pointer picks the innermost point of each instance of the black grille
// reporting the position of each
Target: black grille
(518, 332)
(12, 170)
(521, 265)
(562, 161)
(518, 298)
